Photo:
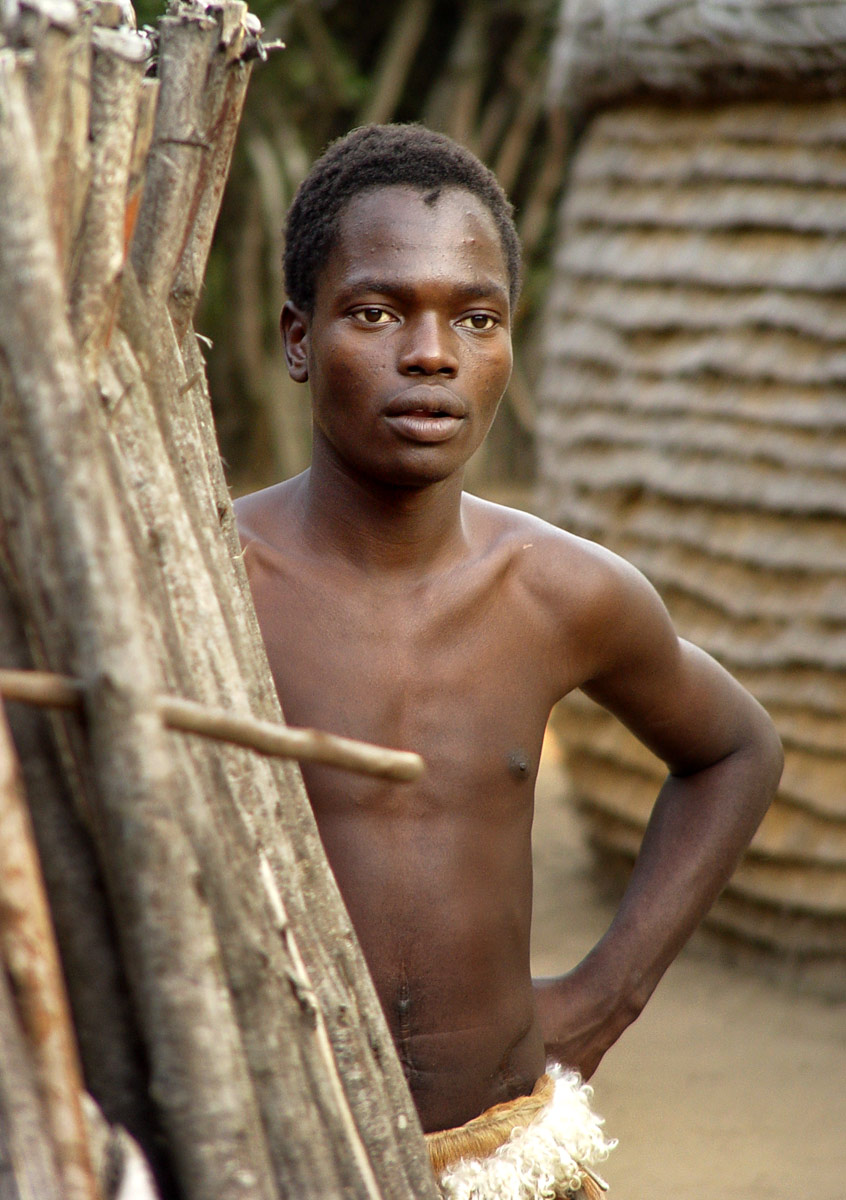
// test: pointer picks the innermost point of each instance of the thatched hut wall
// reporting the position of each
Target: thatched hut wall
(714, 49)
(693, 418)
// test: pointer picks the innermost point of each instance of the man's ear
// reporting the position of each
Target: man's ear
(294, 325)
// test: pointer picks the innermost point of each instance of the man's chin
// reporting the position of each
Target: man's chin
(417, 480)
(421, 469)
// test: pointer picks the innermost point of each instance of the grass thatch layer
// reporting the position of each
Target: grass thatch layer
(693, 419)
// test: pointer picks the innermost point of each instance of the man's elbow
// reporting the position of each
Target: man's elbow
(776, 756)
(767, 754)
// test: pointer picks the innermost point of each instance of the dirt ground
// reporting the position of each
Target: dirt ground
(729, 1086)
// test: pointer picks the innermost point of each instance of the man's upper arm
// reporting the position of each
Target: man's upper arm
(674, 697)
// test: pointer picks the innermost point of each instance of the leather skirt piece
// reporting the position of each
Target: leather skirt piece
(552, 1129)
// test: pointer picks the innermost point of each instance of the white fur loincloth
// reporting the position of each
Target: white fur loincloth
(542, 1161)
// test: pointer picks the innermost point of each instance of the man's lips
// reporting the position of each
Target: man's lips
(426, 414)
(431, 401)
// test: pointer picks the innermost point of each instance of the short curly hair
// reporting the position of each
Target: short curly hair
(381, 156)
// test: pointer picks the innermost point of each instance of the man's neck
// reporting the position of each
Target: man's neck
(381, 527)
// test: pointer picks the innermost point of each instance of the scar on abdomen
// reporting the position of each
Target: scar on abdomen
(518, 764)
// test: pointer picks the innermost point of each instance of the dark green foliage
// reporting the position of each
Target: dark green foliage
(147, 12)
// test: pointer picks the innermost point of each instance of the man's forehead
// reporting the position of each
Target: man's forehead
(388, 227)
(408, 201)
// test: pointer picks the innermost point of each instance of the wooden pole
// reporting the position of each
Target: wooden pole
(50, 690)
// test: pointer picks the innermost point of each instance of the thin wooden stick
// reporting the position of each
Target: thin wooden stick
(49, 690)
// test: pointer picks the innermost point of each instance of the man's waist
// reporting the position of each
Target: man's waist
(458, 1075)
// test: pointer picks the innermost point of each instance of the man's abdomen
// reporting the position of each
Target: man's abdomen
(442, 909)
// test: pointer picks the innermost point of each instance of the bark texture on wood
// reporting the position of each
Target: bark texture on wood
(109, 1041)
(269, 1060)
(28, 954)
(165, 926)
(27, 1162)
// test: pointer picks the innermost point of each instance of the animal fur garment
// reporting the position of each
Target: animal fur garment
(548, 1158)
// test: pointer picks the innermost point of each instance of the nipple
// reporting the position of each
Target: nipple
(518, 764)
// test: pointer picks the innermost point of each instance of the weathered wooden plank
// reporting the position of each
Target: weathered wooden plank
(107, 1034)
(119, 61)
(31, 962)
(224, 94)
(151, 868)
(27, 1161)
(58, 75)
(180, 142)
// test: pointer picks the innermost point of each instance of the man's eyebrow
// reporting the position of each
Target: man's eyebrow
(406, 291)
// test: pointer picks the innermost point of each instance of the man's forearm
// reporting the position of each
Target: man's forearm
(700, 825)
(698, 830)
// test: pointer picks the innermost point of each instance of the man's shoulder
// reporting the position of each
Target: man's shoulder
(582, 588)
(267, 515)
(543, 550)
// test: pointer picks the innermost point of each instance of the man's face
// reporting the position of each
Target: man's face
(408, 349)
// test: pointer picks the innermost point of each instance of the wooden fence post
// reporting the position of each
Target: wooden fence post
(270, 1065)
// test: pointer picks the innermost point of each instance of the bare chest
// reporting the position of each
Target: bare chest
(458, 670)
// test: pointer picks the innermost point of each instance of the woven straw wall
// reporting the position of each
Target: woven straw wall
(612, 49)
(694, 420)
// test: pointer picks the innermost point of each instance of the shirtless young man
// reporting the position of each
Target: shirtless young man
(398, 609)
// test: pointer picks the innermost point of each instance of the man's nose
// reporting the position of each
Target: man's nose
(430, 347)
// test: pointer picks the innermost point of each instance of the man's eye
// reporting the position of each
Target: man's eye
(373, 316)
(480, 321)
